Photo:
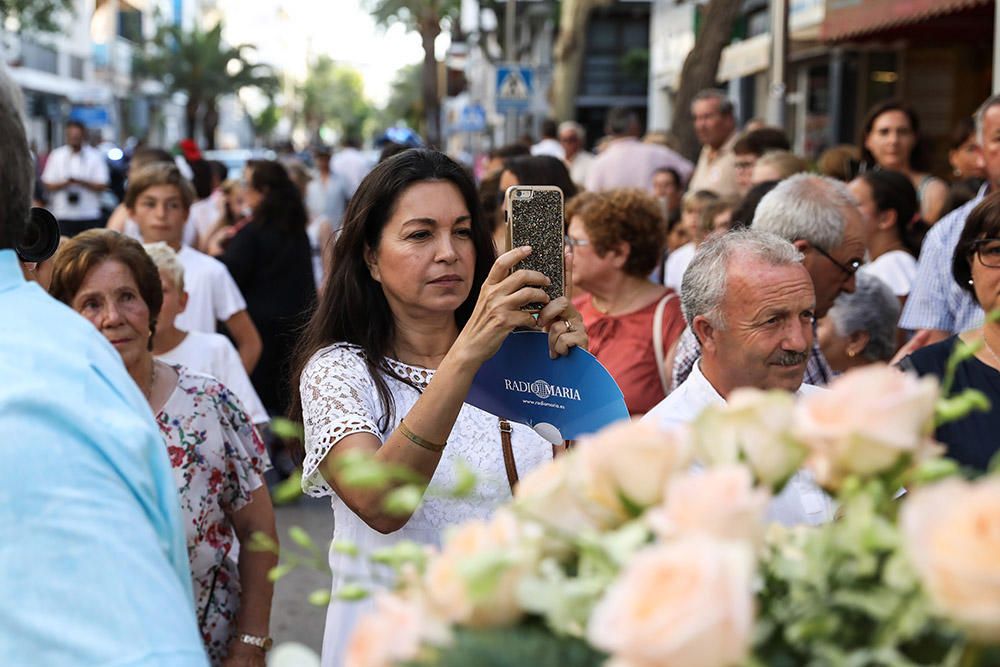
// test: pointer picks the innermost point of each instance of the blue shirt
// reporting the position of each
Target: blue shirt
(93, 563)
(936, 301)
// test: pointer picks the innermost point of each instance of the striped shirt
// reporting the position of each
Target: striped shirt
(936, 301)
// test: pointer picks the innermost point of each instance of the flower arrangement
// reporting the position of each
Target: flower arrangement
(642, 549)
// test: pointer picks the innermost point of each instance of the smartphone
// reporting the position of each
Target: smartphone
(535, 218)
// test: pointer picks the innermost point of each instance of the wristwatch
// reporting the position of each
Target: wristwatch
(263, 643)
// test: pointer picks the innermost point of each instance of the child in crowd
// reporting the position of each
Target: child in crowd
(159, 199)
(201, 352)
(677, 261)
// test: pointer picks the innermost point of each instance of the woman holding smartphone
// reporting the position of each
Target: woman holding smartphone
(415, 303)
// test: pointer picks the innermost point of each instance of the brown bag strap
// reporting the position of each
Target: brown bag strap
(509, 464)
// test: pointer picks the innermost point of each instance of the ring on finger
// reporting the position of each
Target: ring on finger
(569, 325)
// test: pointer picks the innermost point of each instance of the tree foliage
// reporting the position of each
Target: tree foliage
(405, 102)
(333, 97)
(202, 66)
(36, 15)
(428, 18)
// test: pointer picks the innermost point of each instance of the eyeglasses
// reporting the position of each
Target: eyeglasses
(988, 251)
(850, 268)
(575, 243)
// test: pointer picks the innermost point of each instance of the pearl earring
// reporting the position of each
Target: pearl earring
(970, 281)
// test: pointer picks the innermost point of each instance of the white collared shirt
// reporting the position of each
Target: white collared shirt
(800, 502)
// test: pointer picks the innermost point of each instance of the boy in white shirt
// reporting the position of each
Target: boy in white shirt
(159, 200)
(208, 353)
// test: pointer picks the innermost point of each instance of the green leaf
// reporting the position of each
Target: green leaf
(465, 482)
(279, 571)
(352, 592)
(301, 537)
(287, 429)
(932, 470)
(403, 500)
(344, 547)
(633, 509)
(994, 466)
(320, 597)
(288, 490)
(404, 551)
(961, 405)
(261, 541)
(482, 573)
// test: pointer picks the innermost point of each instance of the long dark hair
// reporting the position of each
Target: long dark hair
(352, 308)
(918, 156)
(893, 191)
(281, 205)
(542, 170)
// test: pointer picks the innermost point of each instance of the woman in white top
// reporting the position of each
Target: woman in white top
(893, 231)
(414, 305)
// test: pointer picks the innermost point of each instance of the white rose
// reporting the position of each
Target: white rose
(687, 603)
(394, 633)
(753, 426)
(626, 467)
(951, 534)
(474, 579)
(720, 502)
(869, 420)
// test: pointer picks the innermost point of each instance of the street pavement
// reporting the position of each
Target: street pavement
(293, 619)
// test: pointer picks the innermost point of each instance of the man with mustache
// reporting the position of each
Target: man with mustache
(750, 302)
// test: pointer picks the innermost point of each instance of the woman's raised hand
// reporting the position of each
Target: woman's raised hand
(564, 325)
(498, 310)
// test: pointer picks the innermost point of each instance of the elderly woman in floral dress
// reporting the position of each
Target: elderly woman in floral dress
(217, 454)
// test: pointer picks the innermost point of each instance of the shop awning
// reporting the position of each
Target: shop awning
(852, 18)
(745, 58)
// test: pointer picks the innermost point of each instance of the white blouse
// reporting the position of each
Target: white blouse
(339, 399)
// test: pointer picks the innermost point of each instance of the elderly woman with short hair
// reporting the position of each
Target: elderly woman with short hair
(632, 322)
(217, 456)
(860, 329)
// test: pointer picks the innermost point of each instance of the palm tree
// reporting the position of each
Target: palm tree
(200, 65)
(424, 17)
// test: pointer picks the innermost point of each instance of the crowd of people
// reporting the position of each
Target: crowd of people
(360, 300)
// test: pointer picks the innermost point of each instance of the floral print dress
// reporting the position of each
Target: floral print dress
(218, 460)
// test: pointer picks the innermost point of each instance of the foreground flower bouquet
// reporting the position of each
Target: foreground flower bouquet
(639, 549)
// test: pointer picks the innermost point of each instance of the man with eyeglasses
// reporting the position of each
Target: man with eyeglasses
(820, 218)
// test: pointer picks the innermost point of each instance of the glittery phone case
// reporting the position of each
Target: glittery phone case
(535, 218)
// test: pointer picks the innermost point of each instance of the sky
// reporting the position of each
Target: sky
(289, 33)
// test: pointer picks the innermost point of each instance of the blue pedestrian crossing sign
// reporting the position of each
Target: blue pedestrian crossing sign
(514, 88)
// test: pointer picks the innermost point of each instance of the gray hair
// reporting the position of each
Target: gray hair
(704, 283)
(166, 261)
(726, 107)
(572, 125)
(806, 207)
(17, 172)
(872, 308)
(980, 116)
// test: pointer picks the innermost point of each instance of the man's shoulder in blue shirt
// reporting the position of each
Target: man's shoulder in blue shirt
(93, 564)
(936, 301)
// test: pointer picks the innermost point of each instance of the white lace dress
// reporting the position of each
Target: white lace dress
(338, 399)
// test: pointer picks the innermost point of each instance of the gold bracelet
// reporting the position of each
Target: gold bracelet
(418, 441)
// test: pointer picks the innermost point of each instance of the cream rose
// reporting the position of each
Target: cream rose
(626, 466)
(687, 603)
(550, 495)
(951, 534)
(394, 633)
(753, 426)
(474, 579)
(870, 419)
(721, 502)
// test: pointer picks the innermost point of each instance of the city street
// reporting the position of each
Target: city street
(293, 619)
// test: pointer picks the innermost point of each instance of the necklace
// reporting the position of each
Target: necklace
(989, 349)
(152, 381)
